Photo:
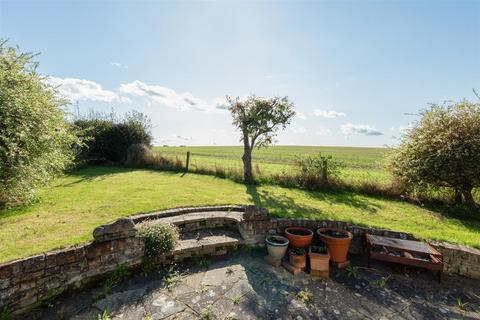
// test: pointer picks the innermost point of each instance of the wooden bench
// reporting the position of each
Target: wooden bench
(406, 252)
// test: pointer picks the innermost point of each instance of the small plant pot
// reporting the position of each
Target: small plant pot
(319, 258)
(298, 257)
(276, 246)
(337, 241)
(299, 237)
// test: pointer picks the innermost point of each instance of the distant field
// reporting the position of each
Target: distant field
(361, 164)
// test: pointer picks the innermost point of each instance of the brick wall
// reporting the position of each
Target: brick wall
(26, 282)
(460, 259)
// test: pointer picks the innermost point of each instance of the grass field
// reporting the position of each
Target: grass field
(75, 204)
(361, 164)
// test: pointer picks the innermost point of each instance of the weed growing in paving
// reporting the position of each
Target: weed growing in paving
(120, 273)
(383, 281)
(147, 317)
(352, 271)
(4, 314)
(207, 313)
(305, 296)
(462, 305)
(236, 299)
(105, 315)
(171, 278)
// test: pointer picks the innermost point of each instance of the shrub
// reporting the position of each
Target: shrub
(312, 172)
(35, 138)
(108, 137)
(442, 150)
(317, 169)
(159, 237)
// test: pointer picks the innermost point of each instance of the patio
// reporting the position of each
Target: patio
(243, 286)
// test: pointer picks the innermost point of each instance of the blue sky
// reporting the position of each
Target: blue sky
(353, 69)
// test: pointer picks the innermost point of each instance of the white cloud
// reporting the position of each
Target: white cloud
(328, 113)
(78, 89)
(323, 132)
(170, 98)
(118, 65)
(351, 128)
(300, 115)
(268, 77)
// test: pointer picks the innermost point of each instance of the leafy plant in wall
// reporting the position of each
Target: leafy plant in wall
(159, 237)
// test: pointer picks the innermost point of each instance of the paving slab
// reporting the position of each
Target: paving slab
(243, 286)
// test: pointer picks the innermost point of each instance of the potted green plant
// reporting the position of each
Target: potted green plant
(298, 257)
(276, 246)
(299, 237)
(319, 261)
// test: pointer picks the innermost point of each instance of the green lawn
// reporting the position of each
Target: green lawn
(361, 164)
(75, 204)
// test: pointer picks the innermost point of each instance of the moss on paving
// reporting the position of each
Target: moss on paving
(69, 210)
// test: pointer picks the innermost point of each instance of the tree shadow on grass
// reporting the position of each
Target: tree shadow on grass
(285, 204)
(93, 172)
(100, 172)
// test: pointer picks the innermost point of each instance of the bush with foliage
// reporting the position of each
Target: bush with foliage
(442, 150)
(108, 137)
(317, 169)
(159, 237)
(35, 139)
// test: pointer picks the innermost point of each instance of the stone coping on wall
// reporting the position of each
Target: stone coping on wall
(24, 283)
(179, 211)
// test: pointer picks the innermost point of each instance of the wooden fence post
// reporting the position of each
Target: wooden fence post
(325, 170)
(188, 161)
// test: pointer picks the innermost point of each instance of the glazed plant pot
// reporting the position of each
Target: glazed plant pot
(337, 241)
(299, 237)
(276, 246)
(319, 259)
(298, 257)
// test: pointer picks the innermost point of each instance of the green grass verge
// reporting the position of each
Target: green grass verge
(75, 204)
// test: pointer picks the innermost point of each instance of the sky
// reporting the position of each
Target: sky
(357, 71)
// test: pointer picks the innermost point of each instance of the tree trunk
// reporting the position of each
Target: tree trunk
(468, 197)
(247, 159)
(457, 197)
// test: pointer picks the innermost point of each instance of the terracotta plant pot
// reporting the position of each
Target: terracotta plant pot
(319, 261)
(337, 241)
(298, 257)
(299, 237)
(276, 246)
